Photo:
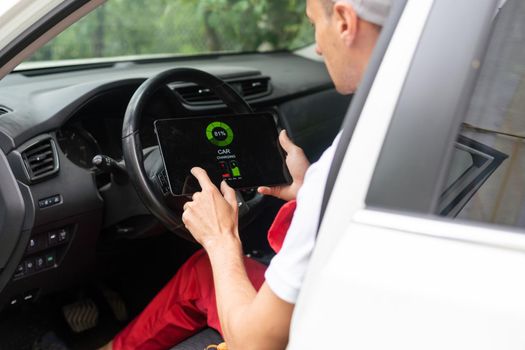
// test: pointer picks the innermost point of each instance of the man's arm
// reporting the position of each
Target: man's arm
(249, 320)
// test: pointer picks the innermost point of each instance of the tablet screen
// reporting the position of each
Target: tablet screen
(241, 149)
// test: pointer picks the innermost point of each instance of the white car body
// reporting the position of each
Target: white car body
(391, 280)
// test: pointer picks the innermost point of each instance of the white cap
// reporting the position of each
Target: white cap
(375, 11)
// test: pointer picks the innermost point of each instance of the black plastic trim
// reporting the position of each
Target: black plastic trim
(32, 143)
(61, 102)
(33, 72)
(36, 72)
(412, 166)
(484, 164)
(12, 211)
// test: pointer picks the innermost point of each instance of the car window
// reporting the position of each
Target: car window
(486, 179)
(180, 27)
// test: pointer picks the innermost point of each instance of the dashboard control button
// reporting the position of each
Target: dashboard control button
(29, 265)
(20, 270)
(32, 245)
(29, 296)
(49, 201)
(62, 235)
(14, 301)
(39, 263)
(52, 238)
(50, 259)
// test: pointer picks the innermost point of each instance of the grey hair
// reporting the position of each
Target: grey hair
(375, 11)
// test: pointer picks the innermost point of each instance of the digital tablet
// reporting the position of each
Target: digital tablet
(242, 149)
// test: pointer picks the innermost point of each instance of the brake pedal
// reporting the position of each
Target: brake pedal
(81, 316)
(116, 304)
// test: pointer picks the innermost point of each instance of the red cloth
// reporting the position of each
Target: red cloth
(182, 308)
(187, 303)
(280, 225)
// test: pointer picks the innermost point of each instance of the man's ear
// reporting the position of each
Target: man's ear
(346, 21)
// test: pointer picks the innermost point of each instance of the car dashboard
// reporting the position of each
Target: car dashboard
(56, 205)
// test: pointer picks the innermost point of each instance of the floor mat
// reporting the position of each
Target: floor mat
(200, 340)
(20, 327)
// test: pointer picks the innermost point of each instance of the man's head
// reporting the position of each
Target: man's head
(346, 32)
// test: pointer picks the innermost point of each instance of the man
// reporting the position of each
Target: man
(254, 307)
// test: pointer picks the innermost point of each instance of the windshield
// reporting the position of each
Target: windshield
(148, 28)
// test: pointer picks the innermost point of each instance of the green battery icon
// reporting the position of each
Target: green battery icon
(236, 172)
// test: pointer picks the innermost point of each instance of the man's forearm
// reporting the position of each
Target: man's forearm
(234, 291)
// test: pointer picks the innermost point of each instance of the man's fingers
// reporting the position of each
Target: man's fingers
(202, 177)
(285, 141)
(185, 218)
(270, 191)
(264, 190)
(229, 194)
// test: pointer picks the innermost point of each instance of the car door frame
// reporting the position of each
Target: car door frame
(29, 25)
(361, 274)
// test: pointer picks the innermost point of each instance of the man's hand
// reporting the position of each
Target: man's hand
(248, 319)
(297, 164)
(211, 217)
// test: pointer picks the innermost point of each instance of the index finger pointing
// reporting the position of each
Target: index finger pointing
(202, 177)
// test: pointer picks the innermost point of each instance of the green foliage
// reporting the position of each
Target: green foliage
(135, 27)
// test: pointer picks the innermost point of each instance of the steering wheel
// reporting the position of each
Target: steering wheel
(146, 169)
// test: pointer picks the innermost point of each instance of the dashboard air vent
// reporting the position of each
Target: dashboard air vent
(41, 159)
(4, 110)
(196, 94)
(255, 87)
(247, 88)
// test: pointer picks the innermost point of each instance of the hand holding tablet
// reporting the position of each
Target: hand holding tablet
(297, 164)
(243, 150)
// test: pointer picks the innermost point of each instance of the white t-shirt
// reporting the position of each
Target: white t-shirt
(287, 269)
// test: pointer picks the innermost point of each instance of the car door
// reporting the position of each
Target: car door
(389, 271)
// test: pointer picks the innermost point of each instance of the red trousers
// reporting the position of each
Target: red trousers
(187, 303)
(183, 307)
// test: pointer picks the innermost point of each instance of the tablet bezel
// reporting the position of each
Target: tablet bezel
(282, 153)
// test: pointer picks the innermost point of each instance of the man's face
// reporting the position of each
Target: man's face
(331, 45)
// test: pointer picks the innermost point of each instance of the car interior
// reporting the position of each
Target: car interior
(80, 252)
(88, 230)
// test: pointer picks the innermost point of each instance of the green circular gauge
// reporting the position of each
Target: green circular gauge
(219, 133)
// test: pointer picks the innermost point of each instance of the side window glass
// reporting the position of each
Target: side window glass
(486, 180)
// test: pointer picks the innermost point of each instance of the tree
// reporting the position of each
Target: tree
(135, 27)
